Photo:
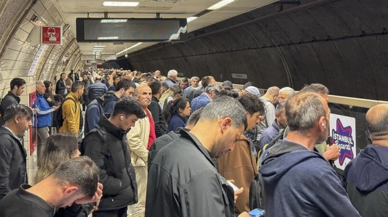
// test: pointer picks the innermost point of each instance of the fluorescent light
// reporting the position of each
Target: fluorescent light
(108, 38)
(133, 46)
(99, 46)
(114, 20)
(120, 4)
(189, 19)
(220, 4)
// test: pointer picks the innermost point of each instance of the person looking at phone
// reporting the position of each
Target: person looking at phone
(184, 169)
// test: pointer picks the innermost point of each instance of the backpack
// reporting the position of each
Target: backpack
(256, 189)
(57, 117)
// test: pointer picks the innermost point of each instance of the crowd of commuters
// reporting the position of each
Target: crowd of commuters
(113, 142)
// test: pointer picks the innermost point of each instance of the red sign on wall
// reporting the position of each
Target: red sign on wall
(51, 35)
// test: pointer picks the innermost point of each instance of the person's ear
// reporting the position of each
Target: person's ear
(70, 190)
(225, 124)
(322, 123)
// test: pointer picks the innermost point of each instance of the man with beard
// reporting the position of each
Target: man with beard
(297, 179)
(183, 180)
(140, 139)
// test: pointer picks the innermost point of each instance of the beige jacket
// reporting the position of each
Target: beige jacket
(138, 140)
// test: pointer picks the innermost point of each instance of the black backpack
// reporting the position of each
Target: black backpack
(256, 190)
(57, 117)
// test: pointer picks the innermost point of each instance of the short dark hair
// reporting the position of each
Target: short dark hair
(155, 87)
(194, 117)
(205, 81)
(128, 106)
(251, 103)
(80, 171)
(126, 84)
(17, 109)
(18, 82)
(184, 79)
(47, 85)
(76, 86)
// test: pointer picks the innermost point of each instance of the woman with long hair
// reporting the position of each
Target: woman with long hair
(48, 94)
(172, 93)
(58, 149)
(176, 113)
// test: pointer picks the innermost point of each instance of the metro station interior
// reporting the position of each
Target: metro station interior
(339, 43)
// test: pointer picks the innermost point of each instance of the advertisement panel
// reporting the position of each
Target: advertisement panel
(343, 132)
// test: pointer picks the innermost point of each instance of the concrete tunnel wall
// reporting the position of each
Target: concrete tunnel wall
(339, 43)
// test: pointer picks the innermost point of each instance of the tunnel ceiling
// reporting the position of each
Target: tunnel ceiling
(339, 43)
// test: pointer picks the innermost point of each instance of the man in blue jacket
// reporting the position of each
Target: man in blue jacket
(44, 115)
(297, 179)
(207, 96)
(273, 131)
(366, 177)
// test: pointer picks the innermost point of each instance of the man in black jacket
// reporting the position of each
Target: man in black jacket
(183, 180)
(107, 146)
(61, 87)
(17, 87)
(12, 153)
(156, 111)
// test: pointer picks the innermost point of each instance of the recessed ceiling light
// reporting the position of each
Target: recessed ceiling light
(189, 19)
(120, 4)
(108, 38)
(99, 46)
(220, 4)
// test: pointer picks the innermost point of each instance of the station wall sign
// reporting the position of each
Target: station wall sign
(51, 35)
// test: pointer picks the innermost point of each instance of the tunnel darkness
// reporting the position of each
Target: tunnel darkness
(339, 43)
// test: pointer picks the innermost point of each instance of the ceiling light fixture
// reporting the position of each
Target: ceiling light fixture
(114, 20)
(189, 19)
(108, 38)
(220, 4)
(99, 46)
(119, 4)
(125, 50)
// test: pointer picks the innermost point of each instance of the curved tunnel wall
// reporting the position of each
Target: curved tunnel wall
(21, 54)
(339, 43)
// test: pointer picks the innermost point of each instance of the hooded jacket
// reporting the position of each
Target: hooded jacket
(13, 171)
(299, 182)
(107, 146)
(366, 180)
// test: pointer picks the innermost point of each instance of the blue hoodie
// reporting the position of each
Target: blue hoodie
(299, 182)
(366, 179)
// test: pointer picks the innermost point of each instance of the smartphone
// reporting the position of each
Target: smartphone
(256, 213)
(233, 186)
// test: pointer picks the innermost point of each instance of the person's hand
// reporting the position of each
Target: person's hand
(49, 99)
(237, 192)
(95, 199)
(68, 86)
(332, 152)
(55, 107)
(243, 214)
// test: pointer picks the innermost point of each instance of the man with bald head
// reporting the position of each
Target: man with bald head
(297, 179)
(269, 100)
(366, 176)
(140, 139)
